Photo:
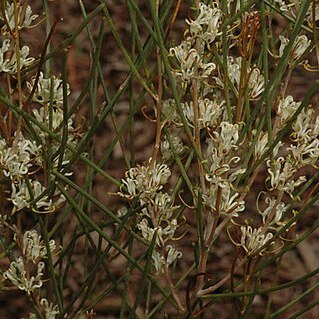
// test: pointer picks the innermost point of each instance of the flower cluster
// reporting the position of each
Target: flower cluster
(25, 20)
(20, 270)
(26, 271)
(207, 24)
(10, 65)
(222, 155)
(23, 157)
(221, 121)
(18, 276)
(35, 134)
(157, 217)
(202, 33)
(49, 95)
(300, 46)
(221, 195)
(166, 148)
(253, 239)
(292, 7)
(50, 311)
(48, 90)
(19, 163)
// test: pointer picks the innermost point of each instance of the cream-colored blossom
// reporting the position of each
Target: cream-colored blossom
(50, 310)
(192, 65)
(252, 239)
(158, 260)
(18, 276)
(305, 153)
(229, 203)
(48, 90)
(166, 150)
(300, 45)
(33, 247)
(17, 159)
(303, 126)
(25, 20)
(172, 254)
(281, 172)
(255, 80)
(227, 138)
(145, 180)
(9, 65)
(210, 112)
(275, 210)
(207, 24)
(286, 108)
(21, 197)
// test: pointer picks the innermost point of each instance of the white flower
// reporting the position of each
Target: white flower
(164, 206)
(223, 169)
(190, 61)
(21, 197)
(234, 70)
(217, 167)
(166, 151)
(309, 16)
(24, 21)
(256, 81)
(122, 212)
(277, 212)
(303, 126)
(19, 278)
(168, 232)
(228, 203)
(155, 219)
(281, 171)
(158, 260)
(172, 254)
(33, 246)
(283, 6)
(187, 57)
(147, 231)
(261, 145)
(290, 186)
(51, 311)
(252, 239)
(55, 120)
(293, 7)
(227, 137)
(162, 234)
(145, 180)
(48, 89)
(5, 47)
(299, 47)
(207, 23)
(305, 153)
(210, 112)
(10, 65)
(286, 108)
(17, 160)
(188, 110)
